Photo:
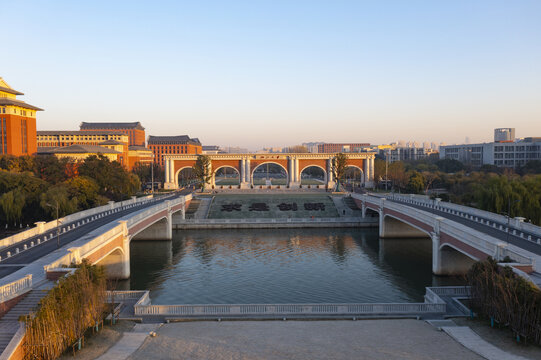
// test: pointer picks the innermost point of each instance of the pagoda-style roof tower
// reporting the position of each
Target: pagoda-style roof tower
(17, 123)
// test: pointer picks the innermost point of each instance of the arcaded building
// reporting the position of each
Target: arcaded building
(17, 123)
(134, 130)
(181, 144)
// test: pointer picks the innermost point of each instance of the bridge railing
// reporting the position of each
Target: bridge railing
(522, 229)
(42, 228)
(16, 288)
(119, 295)
(76, 253)
(432, 298)
(450, 290)
(142, 215)
(472, 237)
(247, 310)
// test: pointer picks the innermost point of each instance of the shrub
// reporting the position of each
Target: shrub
(66, 312)
(498, 293)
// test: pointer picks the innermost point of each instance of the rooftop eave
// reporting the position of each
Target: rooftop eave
(10, 91)
(7, 102)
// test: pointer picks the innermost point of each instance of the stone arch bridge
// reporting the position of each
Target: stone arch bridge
(292, 164)
(455, 246)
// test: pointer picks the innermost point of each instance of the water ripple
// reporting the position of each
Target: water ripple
(281, 266)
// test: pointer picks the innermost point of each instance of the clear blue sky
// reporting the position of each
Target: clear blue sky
(261, 73)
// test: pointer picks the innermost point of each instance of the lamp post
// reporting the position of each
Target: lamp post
(57, 223)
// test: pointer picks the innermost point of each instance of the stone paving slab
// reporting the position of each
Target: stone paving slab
(470, 340)
(130, 342)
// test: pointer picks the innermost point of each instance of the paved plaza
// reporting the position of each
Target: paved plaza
(281, 206)
(278, 340)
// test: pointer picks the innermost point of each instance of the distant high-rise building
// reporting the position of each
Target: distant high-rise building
(235, 150)
(503, 152)
(504, 134)
(312, 146)
(467, 140)
(17, 123)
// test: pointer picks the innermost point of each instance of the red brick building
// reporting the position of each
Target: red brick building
(182, 144)
(17, 123)
(134, 130)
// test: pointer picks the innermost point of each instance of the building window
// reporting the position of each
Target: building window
(23, 136)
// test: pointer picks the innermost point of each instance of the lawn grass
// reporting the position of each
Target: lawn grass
(272, 201)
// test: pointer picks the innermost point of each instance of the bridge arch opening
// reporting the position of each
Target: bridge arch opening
(116, 264)
(269, 173)
(452, 261)
(354, 176)
(185, 176)
(226, 175)
(392, 227)
(160, 229)
(313, 175)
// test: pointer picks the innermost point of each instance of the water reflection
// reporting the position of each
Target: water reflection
(282, 266)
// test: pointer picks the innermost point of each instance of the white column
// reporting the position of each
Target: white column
(242, 171)
(167, 170)
(172, 171)
(248, 170)
(371, 177)
(329, 170)
(290, 170)
(366, 169)
(297, 170)
(368, 173)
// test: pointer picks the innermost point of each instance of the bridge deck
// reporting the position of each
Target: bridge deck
(11, 264)
(525, 244)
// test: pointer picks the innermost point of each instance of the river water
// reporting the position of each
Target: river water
(283, 266)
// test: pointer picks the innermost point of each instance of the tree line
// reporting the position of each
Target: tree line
(33, 188)
(513, 192)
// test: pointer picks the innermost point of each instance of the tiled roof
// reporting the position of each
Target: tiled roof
(108, 125)
(77, 132)
(173, 140)
(138, 148)
(13, 102)
(112, 142)
(78, 149)
(10, 91)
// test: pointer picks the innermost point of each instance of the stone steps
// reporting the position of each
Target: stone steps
(192, 208)
(351, 203)
(9, 323)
